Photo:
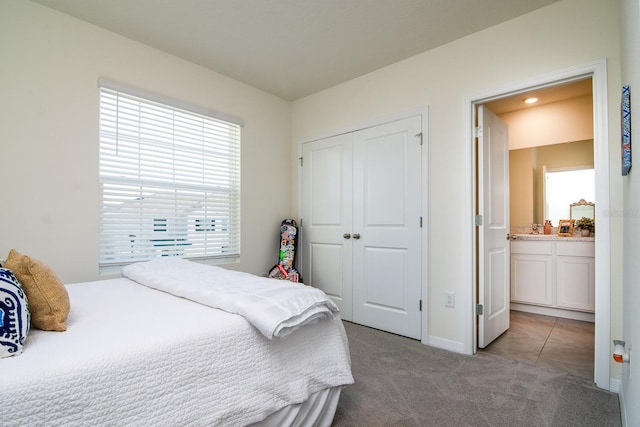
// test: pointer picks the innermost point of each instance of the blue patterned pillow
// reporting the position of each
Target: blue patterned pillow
(15, 319)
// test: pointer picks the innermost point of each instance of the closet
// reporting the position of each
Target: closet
(361, 237)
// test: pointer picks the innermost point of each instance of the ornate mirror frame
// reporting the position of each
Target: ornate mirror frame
(582, 208)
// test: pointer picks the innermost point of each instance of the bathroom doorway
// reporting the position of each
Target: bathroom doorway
(551, 338)
(558, 343)
(594, 75)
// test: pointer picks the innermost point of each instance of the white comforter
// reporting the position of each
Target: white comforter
(135, 356)
(275, 307)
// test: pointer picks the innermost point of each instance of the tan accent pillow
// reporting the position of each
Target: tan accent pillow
(47, 297)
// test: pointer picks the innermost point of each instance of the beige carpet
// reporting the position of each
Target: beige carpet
(401, 382)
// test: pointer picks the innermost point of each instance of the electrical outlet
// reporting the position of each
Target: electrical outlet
(449, 299)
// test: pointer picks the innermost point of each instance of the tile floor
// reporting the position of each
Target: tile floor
(554, 342)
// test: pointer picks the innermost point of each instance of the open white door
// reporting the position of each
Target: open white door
(493, 228)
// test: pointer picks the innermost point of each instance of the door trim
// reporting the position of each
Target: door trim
(424, 115)
(597, 70)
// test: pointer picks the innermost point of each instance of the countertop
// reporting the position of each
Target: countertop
(553, 237)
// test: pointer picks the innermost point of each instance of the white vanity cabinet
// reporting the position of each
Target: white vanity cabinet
(554, 273)
(532, 272)
(575, 275)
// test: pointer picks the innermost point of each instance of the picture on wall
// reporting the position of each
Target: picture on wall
(626, 130)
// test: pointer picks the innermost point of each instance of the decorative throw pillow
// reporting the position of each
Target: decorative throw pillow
(14, 315)
(47, 296)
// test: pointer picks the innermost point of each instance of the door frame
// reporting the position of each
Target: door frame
(597, 70)
(424, 115)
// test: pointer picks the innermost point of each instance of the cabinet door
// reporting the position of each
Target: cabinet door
(575, 282)
(532, 279)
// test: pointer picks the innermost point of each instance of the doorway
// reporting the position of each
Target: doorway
(597, 72)
(555, 342)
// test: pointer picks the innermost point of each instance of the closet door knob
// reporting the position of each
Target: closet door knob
(346, 235)
(356, 236)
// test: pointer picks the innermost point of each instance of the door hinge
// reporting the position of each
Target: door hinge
(420, 305)
(301, 160)
(420, 222)
(300, 222)
(479, 309)
(478, 220)
(419, 135)
(478, 132)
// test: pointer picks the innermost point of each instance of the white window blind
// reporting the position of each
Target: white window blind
(169, 180)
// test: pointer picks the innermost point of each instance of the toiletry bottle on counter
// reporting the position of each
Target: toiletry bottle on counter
(547, 226)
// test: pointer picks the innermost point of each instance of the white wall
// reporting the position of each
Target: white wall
(555, 123)
(535, 44)
(630, 375)
(49, 136)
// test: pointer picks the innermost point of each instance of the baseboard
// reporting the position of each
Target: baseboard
(555, 312)
(455, 346)
(616, 387)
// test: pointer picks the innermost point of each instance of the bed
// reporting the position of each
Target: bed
(136, 355)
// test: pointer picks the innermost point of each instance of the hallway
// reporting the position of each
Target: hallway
(553, 342)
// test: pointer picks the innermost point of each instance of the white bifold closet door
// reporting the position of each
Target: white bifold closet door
(361, 224)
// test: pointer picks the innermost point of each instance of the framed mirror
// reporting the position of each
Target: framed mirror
(581, 209)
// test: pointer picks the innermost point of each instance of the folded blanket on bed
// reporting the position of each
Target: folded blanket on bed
(275, 307)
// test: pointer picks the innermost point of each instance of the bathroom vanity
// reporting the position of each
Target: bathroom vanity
(553, 275)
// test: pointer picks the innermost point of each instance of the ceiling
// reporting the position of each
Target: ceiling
(545, 95)
(293, 48)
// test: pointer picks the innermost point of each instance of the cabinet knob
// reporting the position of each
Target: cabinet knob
(346, 235)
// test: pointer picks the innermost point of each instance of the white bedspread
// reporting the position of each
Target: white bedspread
(135, 356)
(275, 307)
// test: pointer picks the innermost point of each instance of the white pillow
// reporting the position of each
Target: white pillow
(15, 318)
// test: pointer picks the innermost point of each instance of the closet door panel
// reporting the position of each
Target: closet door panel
(326, 253)
(384, 281)
(384, 175)
(326, 267)
(386, 215)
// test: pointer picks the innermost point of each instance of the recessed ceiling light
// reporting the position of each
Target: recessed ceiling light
(531, 100)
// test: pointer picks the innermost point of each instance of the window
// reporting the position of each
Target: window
(169, 179)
